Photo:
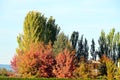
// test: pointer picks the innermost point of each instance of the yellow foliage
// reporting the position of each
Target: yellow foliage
(110, 67)
(82, 71)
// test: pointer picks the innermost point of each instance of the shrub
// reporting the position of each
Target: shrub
(65, 64)
(36, 62)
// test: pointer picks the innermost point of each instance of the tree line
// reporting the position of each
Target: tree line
(44, 51)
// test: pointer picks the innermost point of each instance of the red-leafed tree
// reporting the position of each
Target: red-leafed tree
(13, 63)
(38, 61)
(65, 64)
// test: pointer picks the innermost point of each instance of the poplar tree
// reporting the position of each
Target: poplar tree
(102, 44)
(80, 48)
(37, 29)
(74, 39)
(92, 51)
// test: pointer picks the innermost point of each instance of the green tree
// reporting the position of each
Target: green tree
(51, 30)
(92, 51)
(117, 38)
(102, 44)
(74, 39)
(37, 28)
(61, 43)
(86, 48)
(109, 44)
(83, 48)
(80, 48)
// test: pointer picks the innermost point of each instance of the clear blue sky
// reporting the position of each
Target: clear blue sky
(88, 17)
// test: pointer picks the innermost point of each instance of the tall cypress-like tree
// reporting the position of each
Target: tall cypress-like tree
(86, 48)
(37, 29)
(111, 43)
(92, 51)
(51, 30)
(118, 45)
(80, 48)
(102, 44)
(117, 42)
(74, 39)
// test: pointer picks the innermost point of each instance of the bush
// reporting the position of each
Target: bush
(36, 62)
(65, 64)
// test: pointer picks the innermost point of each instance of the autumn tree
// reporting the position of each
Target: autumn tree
(74, 39)
(81, 70)
(37, 29)
(65, 64)
(107, 68)
(61, 43)
(36, 62)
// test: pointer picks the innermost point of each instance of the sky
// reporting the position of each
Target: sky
(88, 17)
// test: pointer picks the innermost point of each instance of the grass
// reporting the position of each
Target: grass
(4, 78)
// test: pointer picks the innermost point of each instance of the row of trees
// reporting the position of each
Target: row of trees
(109, 44)
(44, 52)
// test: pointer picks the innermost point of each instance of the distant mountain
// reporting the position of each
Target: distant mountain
(6, 66)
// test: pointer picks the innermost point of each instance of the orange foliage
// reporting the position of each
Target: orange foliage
(65, 64)
(36, 62)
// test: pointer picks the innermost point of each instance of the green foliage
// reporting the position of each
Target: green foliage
(74, 39)
(61, 43)
(109, 44)
(35, 56)
(51, 30)
(92, 51)
(102, 44)
(83, 48)
(37, 29)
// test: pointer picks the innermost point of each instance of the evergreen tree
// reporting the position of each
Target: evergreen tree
(80, 48)
(86, 48)
(92, 51)
(74, 39)
(102, 44)
(51, 30)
